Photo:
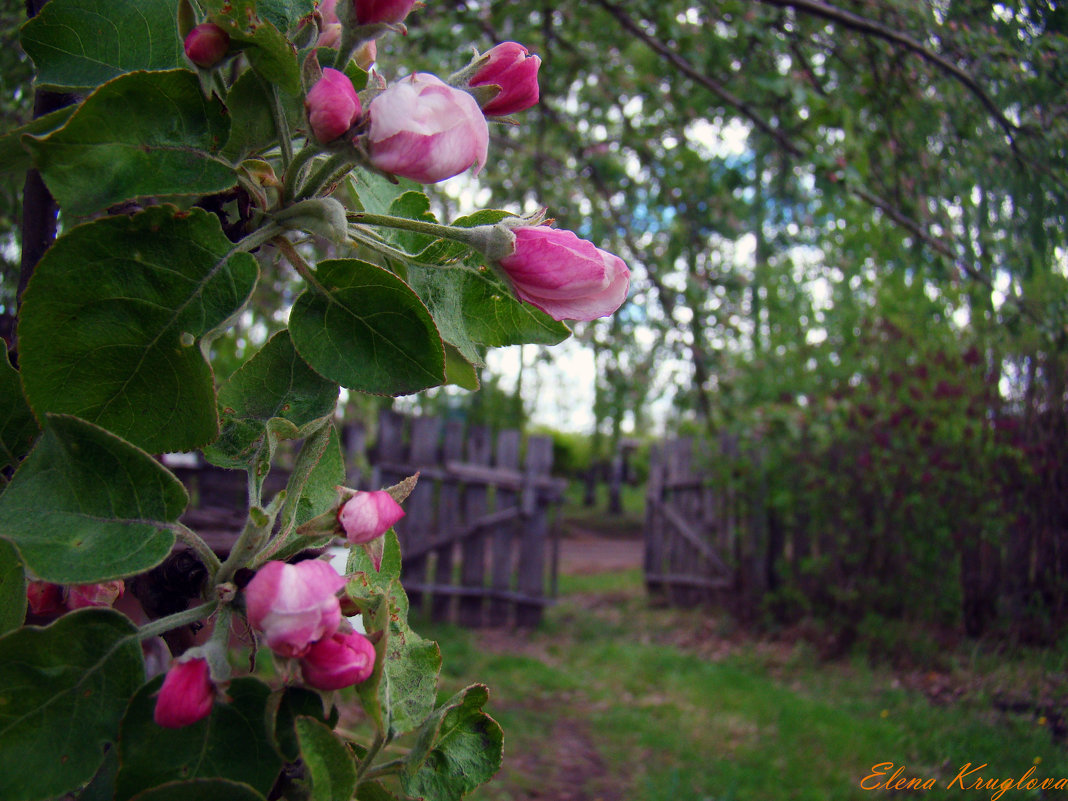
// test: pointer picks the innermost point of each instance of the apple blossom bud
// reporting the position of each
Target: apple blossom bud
(366, 55)
(388, 11)
(106, 593)
(566, 277)
(367, 515)
(206, 45)
(337, 661)
(294, 605)
(424, 129)
(511, 67)
(332, 105)
(186, 696)
(44, 598)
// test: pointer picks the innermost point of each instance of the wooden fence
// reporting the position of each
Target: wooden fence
(689, 526)
(476, 541)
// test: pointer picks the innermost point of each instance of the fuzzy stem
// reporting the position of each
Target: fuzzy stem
(247, 546)
(281, 126)
(291, 183)
(165, 624)
(302, 267)
(199, 547)
(372, 752)
(418, 226)
(333, 168)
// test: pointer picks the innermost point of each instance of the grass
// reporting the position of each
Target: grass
(613, 699)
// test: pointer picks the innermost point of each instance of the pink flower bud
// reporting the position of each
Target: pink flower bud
(337, 661)
(388, 11)
(186, 695)
(294, 605)
(105, 593)
(424, 129)
(564, 276)
(367, 515)
(206, 45)
(512, 68)
(330, 36)
(332, 105)
(328, 10)
(44, 598)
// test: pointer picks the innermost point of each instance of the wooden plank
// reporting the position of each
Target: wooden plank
(693, 581)
(473, 549)
(355, 455)
(470, 473)
(534, 537)
(449, 521)
(683, 529)
(389, 449)
(503, 538)
(481, 526)
(479, 593)
(419, 522)
(654, 523)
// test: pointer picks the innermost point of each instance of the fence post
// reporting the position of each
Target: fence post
(506, 533)
(419, 521)
(473, 549)
(654, 523)
(535, 509)
(449, 520)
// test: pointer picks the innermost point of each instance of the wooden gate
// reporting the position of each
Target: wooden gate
(689, 524)
(476, 538)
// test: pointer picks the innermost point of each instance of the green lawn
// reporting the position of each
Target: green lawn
(613, 699)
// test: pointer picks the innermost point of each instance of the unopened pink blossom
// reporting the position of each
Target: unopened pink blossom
(332, 105)
(45, 598)
(206, 45)
(104, 593)
(566, 277)
(294, 605)
(186, 696)
(367, 515)
(337, 661)
(424, 129)
(387, 11)
(511, 67)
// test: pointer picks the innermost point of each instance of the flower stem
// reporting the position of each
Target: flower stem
(198, 546)
(165, 624)
(256, 238)
(281, 126)
(295, 171)
(252, 538)
(418, 226)
(302, 267)
(331, 170)
(372, 752)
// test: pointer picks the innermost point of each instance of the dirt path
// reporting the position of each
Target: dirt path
(584, 552)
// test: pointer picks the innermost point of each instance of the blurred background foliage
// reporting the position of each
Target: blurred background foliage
(846, 225)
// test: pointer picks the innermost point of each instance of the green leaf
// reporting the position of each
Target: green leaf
(14, 158)
(475, 308)
(78, 44)
(378, 193)
(231, 743)
(87, 506)
(284, 14)
(363, 327)
(285, 706)
(265, 46)
(102, 786)
(412, 205)
(458, 370)
(12, 589)
(18, 427)
(274, 384)
(63, 690)
(200, 790)
(142, 134)
(328, 761)
(131, 295)
(458, 748)
(401, 692)
(251, 122)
